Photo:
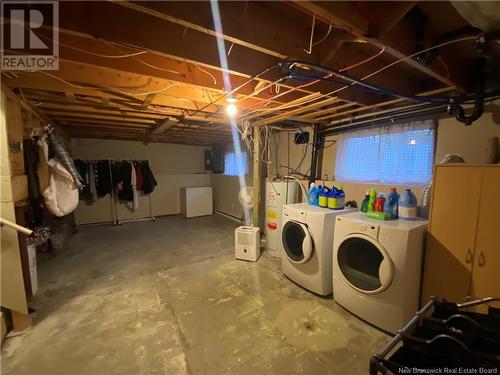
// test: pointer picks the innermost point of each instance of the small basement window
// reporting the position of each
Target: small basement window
(235, 163)
(395, 154)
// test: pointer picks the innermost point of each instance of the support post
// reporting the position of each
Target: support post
(317, 154)
(256, 175)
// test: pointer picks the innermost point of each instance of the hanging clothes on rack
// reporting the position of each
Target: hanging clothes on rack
(103, 178)
(138, 176)
(93, 190)
(148, 179)
(125, 178)
(134, 204)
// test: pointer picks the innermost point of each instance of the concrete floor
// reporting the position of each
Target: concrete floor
(168, 298)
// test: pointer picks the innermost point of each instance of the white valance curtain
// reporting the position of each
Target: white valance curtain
(400, 154)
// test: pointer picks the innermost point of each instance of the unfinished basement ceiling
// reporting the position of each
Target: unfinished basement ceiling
(128, 67)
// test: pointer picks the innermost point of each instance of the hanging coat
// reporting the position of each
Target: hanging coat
(61, 195)
(58, 152)
(148, 179)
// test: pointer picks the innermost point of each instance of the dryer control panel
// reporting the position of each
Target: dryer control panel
(369, 229)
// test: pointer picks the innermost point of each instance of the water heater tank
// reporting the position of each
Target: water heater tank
(276, 198)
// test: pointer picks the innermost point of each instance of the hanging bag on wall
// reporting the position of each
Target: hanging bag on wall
(61, 195)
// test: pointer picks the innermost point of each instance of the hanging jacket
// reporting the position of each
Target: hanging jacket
(148, 179)
(124, 176)
(103, 181)
(138, 176)
(30, 150)
(61, 195)
(133, 182)
(57, 151)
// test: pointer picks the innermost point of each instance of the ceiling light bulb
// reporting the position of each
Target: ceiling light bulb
(231, 99)
(231, 109)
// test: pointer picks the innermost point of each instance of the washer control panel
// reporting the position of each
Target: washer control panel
(294, 214)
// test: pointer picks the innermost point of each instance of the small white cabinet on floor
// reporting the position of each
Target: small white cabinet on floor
(196, 201)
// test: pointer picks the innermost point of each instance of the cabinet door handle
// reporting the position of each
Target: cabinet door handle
(469, 257)
(481, 259)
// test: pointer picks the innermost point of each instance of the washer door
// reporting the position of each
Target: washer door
(365, 264)
(297, 242)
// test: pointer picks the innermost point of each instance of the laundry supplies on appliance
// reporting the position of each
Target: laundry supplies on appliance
(391, 203)
(408, 205)
(313, 194)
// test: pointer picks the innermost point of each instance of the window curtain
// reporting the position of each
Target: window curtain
(400, 154)
(235, 163)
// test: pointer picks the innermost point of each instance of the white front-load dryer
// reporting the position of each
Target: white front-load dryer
(377, 267)
(306, 244)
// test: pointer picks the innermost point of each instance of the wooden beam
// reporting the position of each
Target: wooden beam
(338, 14)
(387, 103)
(186, 46)
(201, 29)
(294, 112)
(395, 15)
(251, 116)
(317, 115)
(149, 99)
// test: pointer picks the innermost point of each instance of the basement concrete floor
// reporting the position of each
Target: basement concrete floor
(167, 297)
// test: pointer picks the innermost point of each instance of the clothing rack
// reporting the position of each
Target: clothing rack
(115, 220)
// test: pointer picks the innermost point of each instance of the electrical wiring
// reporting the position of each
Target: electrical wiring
(349, 67)
(207, 73)
(330, 27)
(157, 67)
(237, 88)
(389, 66)
(101, 88)
(90, 52)
(309, 51)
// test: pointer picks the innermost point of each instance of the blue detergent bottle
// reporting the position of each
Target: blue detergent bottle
(332, 198)
(408, 205)
(311, 195)
(391, 204)
(323, 197)
(340, 204)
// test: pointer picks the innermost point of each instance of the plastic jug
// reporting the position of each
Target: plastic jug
(371, 200)
(332, 198)
(323, 197)
(408, 205)
(364, 204)
(391, 203)
(379, 203)
(340, 199)
(312, 195)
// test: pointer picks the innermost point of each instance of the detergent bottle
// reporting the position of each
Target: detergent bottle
(323, 197)
(408, 205)
(371, 200)
(364, 204)
(312, 194)
(340, 199)
(332, 198)
(379, 203)
(391, 204)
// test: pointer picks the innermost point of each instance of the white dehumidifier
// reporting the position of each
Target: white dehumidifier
(247, 243)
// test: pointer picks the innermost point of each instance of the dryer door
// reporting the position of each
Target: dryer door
(365, 264)
(297, 242)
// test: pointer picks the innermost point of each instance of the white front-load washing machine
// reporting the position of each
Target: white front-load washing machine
(377, 267)
(306, 243)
